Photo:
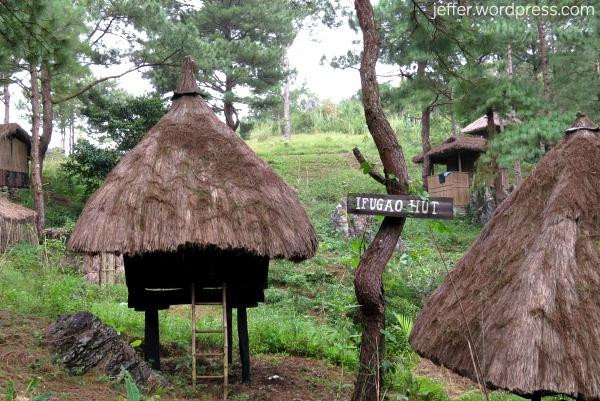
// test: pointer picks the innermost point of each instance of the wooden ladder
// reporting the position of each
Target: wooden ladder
(223, 329)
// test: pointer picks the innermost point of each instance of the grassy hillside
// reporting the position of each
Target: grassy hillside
(310, 308)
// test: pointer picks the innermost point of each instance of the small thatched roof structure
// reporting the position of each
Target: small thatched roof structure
(452, 146)
(480, 125)
(192, 182)
(529, 286)
(13, 130)
(17, 224)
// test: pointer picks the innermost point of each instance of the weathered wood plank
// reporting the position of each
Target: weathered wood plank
(400, 206)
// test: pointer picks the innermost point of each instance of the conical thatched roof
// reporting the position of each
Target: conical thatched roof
(453, 146)
(480, 124)
(192, 181)
(17, 224)
(530, 284)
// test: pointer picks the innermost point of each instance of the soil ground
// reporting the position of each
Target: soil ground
(26, 362)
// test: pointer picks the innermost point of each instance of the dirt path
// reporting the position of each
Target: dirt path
(25, 362)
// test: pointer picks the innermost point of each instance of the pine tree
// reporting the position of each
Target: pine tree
(238, 46)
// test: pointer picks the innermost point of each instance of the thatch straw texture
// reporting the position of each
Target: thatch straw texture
(480, 124)
(453, 146)
(15, 130)
(192, 181)
(529, 285)
(17, 224)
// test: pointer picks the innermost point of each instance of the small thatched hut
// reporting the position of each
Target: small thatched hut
(528, 289)
(15, 148)
(479, 127)
(193, 204)
(17, 224)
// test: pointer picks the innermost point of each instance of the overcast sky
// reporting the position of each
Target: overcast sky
(304, 55)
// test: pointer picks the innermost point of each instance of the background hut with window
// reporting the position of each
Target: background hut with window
(521, 309)
(455, 160)
(17, 223)
(197, 215)
(15, 149)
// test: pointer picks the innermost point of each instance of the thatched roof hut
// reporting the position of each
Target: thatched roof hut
(479, 126)
(452, 146)
(15, 149)
(192, 181)
(17, 224)
(197, 215)
(529, 287)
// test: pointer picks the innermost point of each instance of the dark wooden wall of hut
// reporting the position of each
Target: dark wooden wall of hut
(14, 163)
(159, 279)
(467, 162)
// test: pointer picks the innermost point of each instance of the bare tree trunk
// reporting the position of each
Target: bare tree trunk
(36, 170)
(499, 175)
(71, 134)
(48, 113)
(231, 116)
(509, 61)
(367, 281)
(518, 172)
(287, 123)
(543, 57)
(6, 104)
(453, 125)
(426, 144)
(425, 131)
(63, 135)
(517, 163)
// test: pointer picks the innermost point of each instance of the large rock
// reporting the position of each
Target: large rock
(83, 342)
(356, 225)
(482, 205)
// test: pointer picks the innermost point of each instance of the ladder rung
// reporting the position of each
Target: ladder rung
(208, 303)
(209, 377)
(210, 353)
(209, 331)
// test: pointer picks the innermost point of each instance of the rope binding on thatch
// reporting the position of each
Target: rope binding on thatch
(581, 115)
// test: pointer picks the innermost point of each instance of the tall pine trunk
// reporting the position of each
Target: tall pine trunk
(231, 116)
(543, 57)
(287, 122)
(425, 131)
(6, 104)
(499, 174)
(36, 170)
(367, 281)
(517, 163)
(71, 133)
(426, 145)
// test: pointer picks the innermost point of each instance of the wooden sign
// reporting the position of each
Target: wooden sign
(400, 206)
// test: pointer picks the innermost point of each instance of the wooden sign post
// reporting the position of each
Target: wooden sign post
(400, 206)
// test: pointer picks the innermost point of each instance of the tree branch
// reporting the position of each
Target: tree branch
(374, 174)
(100, 80)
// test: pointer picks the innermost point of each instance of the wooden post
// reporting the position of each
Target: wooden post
(459, 163)
(226, 346)
(193, 293)
(242, 320)
(229, 334)
(151, 339)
